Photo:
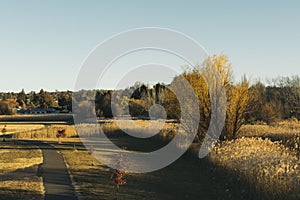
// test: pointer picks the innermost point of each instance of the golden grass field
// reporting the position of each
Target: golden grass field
(285, 132)
(14, 128)
(15, 182)
(111, 128)
(268, 166)
(15, 156)
(22, 189)
(262, 164)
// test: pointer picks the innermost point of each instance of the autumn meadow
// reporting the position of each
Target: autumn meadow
(255, 157)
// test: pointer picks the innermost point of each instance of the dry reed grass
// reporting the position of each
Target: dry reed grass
(286, 132)
(110, 128)
(270, 167)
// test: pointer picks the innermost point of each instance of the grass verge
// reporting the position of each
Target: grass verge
(16, 182)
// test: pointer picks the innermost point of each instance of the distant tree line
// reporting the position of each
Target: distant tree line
(10, 102)
(246, 103)
(277, 100)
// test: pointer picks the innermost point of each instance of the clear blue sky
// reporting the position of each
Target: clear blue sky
(43, 43)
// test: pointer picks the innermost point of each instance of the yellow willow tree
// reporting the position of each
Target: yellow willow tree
(208, 81)
(201, 90)
(238, 105)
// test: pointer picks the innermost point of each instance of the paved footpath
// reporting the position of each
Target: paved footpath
(57, 182)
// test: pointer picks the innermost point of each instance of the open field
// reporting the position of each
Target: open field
(15, 156)
(18, 165)
(251, 167)
(15, 128)
(49, 131)
(109, 127)
(245, 169)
